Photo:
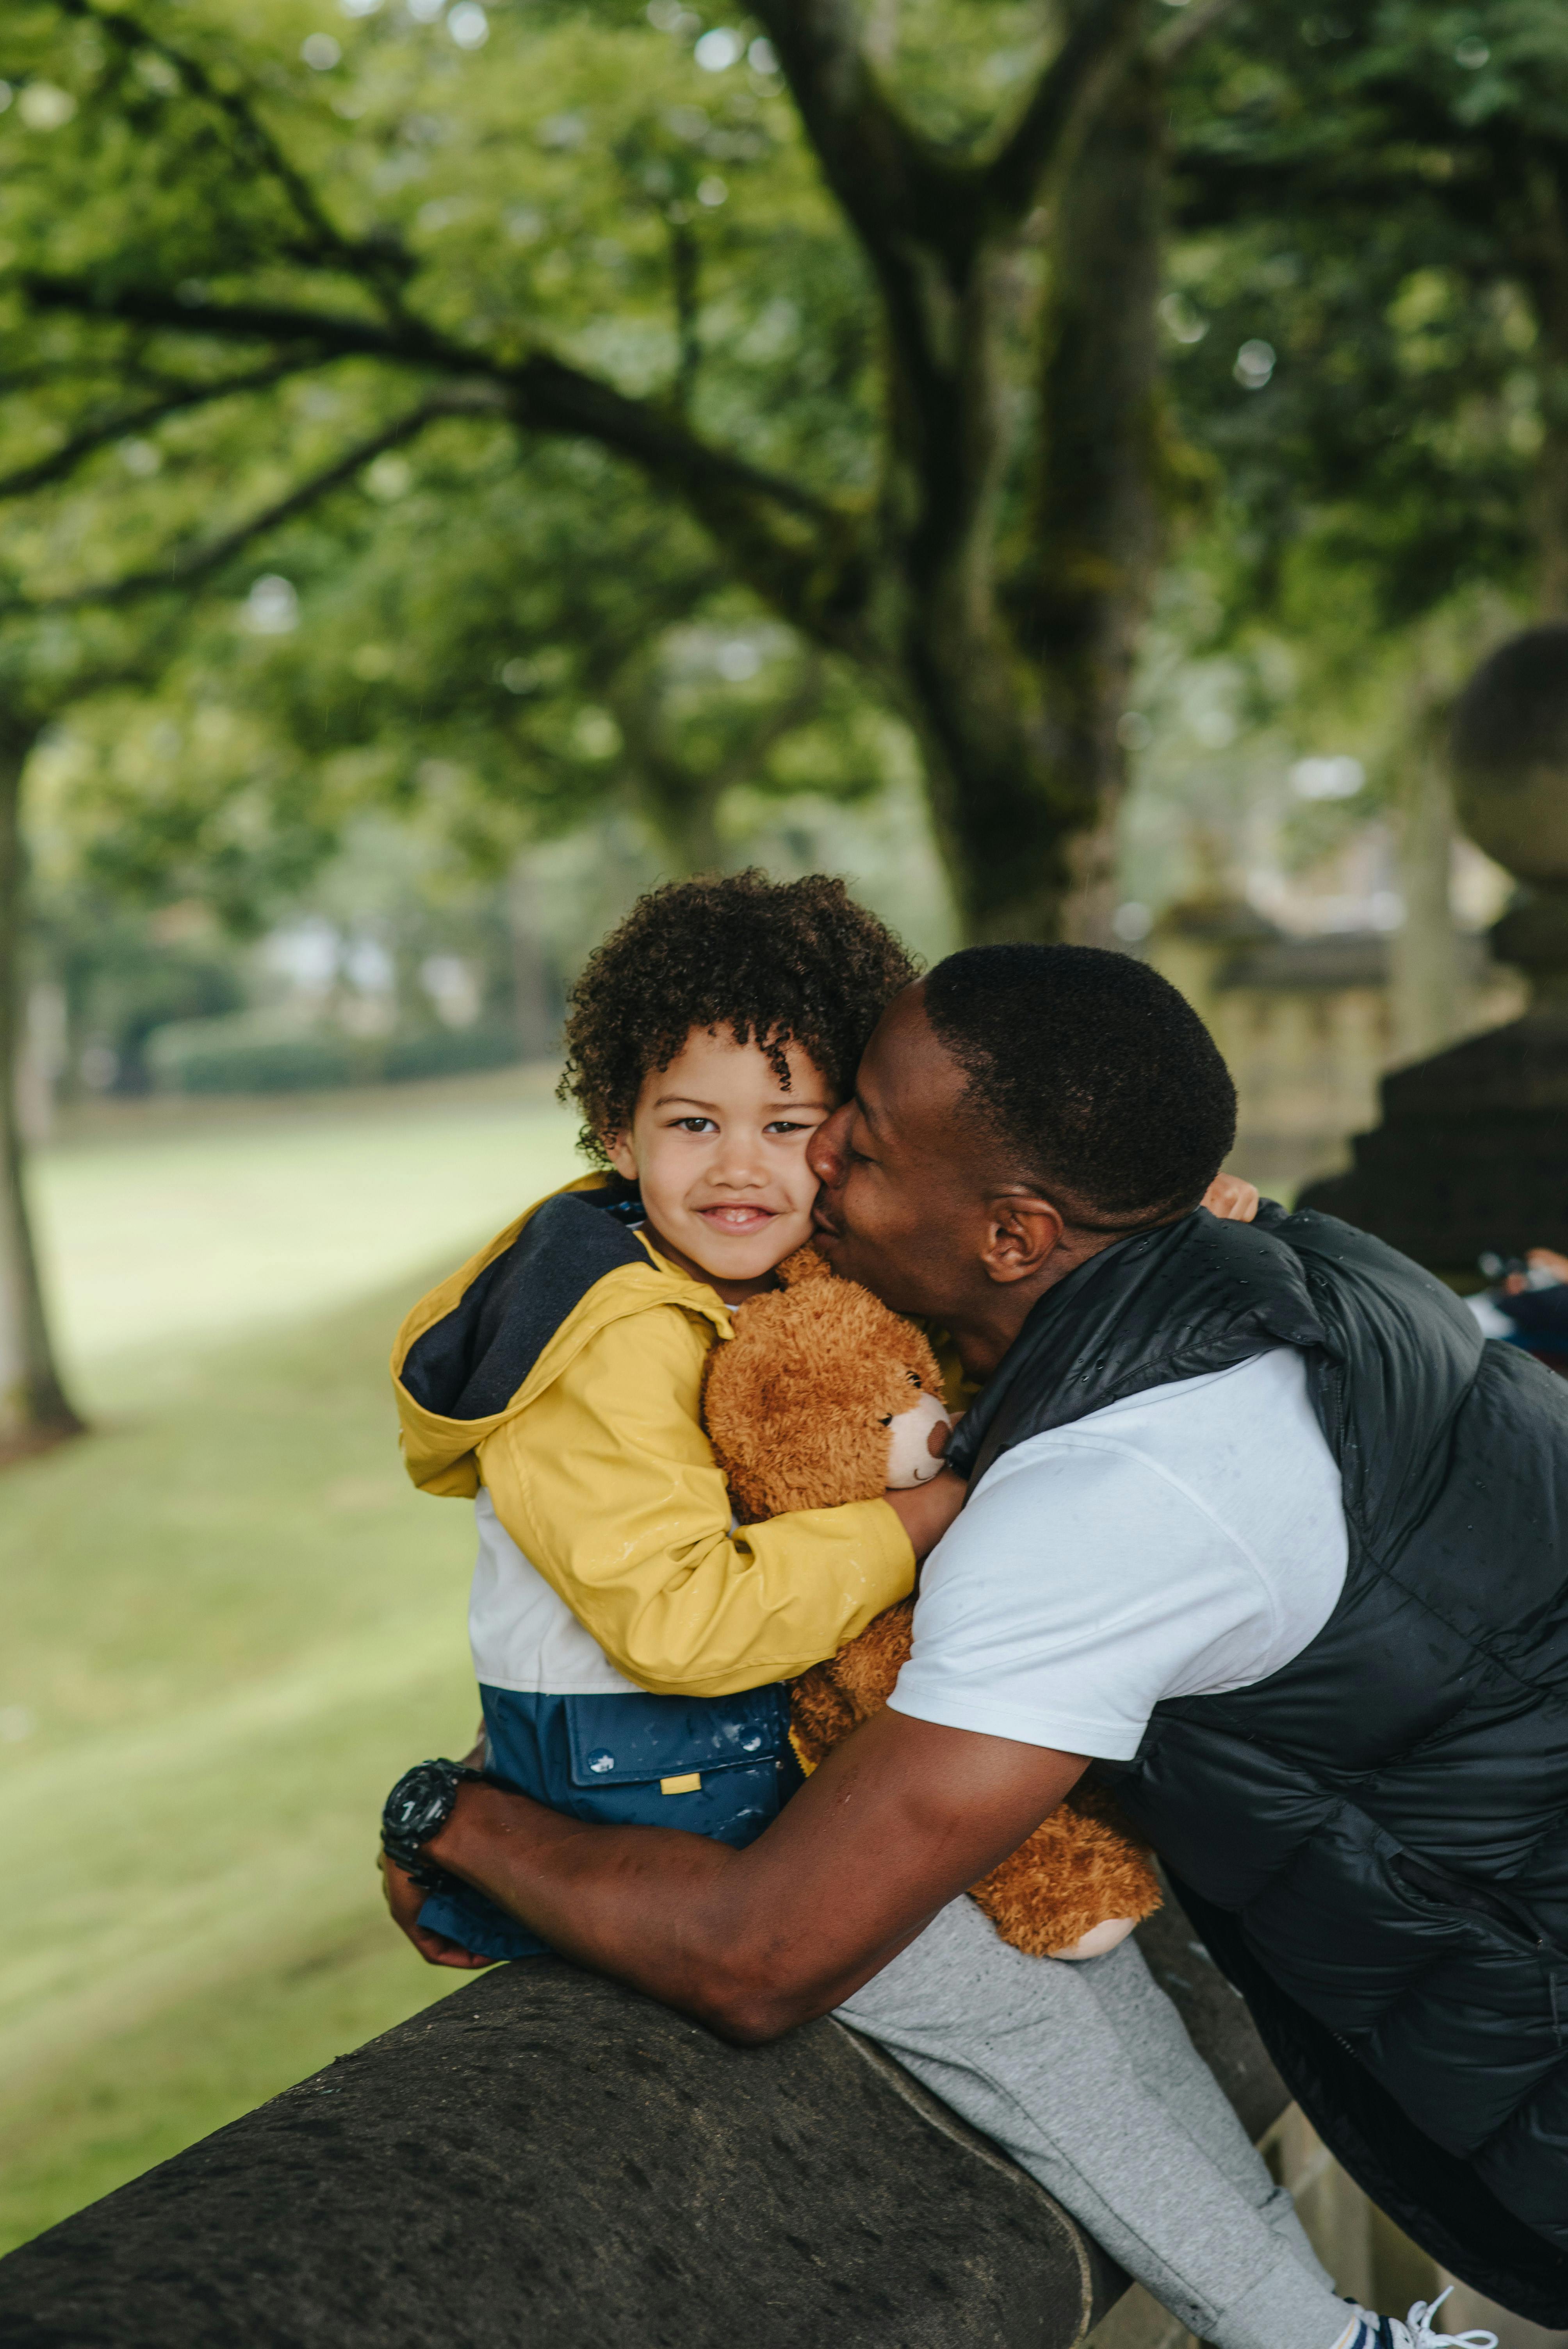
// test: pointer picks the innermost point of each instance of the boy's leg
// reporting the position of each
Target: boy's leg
(1084, 2074)
(1149, 2025)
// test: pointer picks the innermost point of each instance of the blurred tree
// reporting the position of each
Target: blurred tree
(57, 654)
(502, 619)
(1368, 328)
(892, 348)
(44, 667)
(473, 638)
(1369, 315)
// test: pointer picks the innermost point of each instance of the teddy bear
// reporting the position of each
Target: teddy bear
(824, 1395)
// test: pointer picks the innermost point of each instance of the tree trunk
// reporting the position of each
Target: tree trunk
(679, 803)
(683, 810)
(1426, 991)
(538, 1025)
(959, 677)
(1546, 274)
(1017, 679)
(1550, 501)
(1099, 525)
(33, 1407)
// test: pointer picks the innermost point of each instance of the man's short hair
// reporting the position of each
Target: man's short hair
(1096, 1075)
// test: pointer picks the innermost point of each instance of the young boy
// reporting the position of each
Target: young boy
(631, 1642)
(557, 1380)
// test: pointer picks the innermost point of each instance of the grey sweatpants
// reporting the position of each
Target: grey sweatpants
(1085, 2075)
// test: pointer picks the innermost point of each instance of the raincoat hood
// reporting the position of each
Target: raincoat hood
(494, 1335)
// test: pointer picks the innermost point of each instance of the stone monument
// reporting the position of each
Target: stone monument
(1473, 1151)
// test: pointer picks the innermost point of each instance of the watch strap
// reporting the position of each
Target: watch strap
(419, 1807)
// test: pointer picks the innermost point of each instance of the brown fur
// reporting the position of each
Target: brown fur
(797, 1406)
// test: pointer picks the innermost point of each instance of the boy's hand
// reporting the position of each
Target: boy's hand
(925, 1511)
(1233, 1201)
(405, 1899)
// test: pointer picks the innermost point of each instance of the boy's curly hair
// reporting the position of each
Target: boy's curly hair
(777, 962)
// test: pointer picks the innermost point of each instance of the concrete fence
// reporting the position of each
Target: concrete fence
(544, 2160)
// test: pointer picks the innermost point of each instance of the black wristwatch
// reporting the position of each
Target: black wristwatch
(419, 1807)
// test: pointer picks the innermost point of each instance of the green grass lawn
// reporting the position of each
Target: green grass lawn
(167, 1224)
(226, 1622)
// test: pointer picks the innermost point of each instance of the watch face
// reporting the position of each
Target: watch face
(420, 1802)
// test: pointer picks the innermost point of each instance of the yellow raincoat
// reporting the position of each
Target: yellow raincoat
(571, 1390)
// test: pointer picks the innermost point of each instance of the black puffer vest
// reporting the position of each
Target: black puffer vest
(1373, 1841)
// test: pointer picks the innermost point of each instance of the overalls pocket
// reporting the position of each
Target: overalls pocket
(718, 1766)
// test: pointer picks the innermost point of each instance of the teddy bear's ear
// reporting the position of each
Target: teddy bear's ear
(804, 1265)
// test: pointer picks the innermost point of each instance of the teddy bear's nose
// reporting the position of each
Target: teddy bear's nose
(913, 1456)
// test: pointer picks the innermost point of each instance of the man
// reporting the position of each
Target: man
(1261, 1525)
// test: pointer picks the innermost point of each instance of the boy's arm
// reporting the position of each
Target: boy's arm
(608, 1486)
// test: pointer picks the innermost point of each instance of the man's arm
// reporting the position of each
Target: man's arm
(899, 1820)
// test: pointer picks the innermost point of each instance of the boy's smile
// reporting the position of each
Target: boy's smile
(717, 1146)
(737, 1219)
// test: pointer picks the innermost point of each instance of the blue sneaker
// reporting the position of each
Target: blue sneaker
(1365, 2331)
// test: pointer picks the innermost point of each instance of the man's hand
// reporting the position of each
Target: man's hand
(1233, 1201)
(1539, 1260)
(925, 1511)
(901, 1817)
(405, 1899)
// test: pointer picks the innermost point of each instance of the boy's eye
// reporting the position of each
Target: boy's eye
(785, 1125)
(694, 1125)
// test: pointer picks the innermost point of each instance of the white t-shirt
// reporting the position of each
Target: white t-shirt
(523, 1634)
(1189, 1540)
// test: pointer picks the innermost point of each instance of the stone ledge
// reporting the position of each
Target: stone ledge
(547, 2159)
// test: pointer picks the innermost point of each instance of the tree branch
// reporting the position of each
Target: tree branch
(1069, 89)
(686, 274)
(546, 394)
(82, 445)
(892, 183)
(801, 553)
(257, 146)
(805, 556)
(409, 340)
(183, 565)
(1167, 47)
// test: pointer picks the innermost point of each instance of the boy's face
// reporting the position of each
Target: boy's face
(719, 1148)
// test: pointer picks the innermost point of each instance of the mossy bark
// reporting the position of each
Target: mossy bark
(34, 1405)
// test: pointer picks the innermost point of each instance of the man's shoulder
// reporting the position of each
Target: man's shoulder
(1201, 1441)
(1268, 1389)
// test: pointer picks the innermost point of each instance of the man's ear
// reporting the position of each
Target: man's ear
(1023, 1232)
(618, 1150)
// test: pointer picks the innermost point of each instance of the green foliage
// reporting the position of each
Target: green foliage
(1373, 195)
(616, 231)
(550, 180)
(562, 364)
(486, 626)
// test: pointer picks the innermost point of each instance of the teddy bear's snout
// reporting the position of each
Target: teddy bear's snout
(910, 1457)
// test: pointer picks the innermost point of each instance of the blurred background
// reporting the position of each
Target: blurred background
(463, 460)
